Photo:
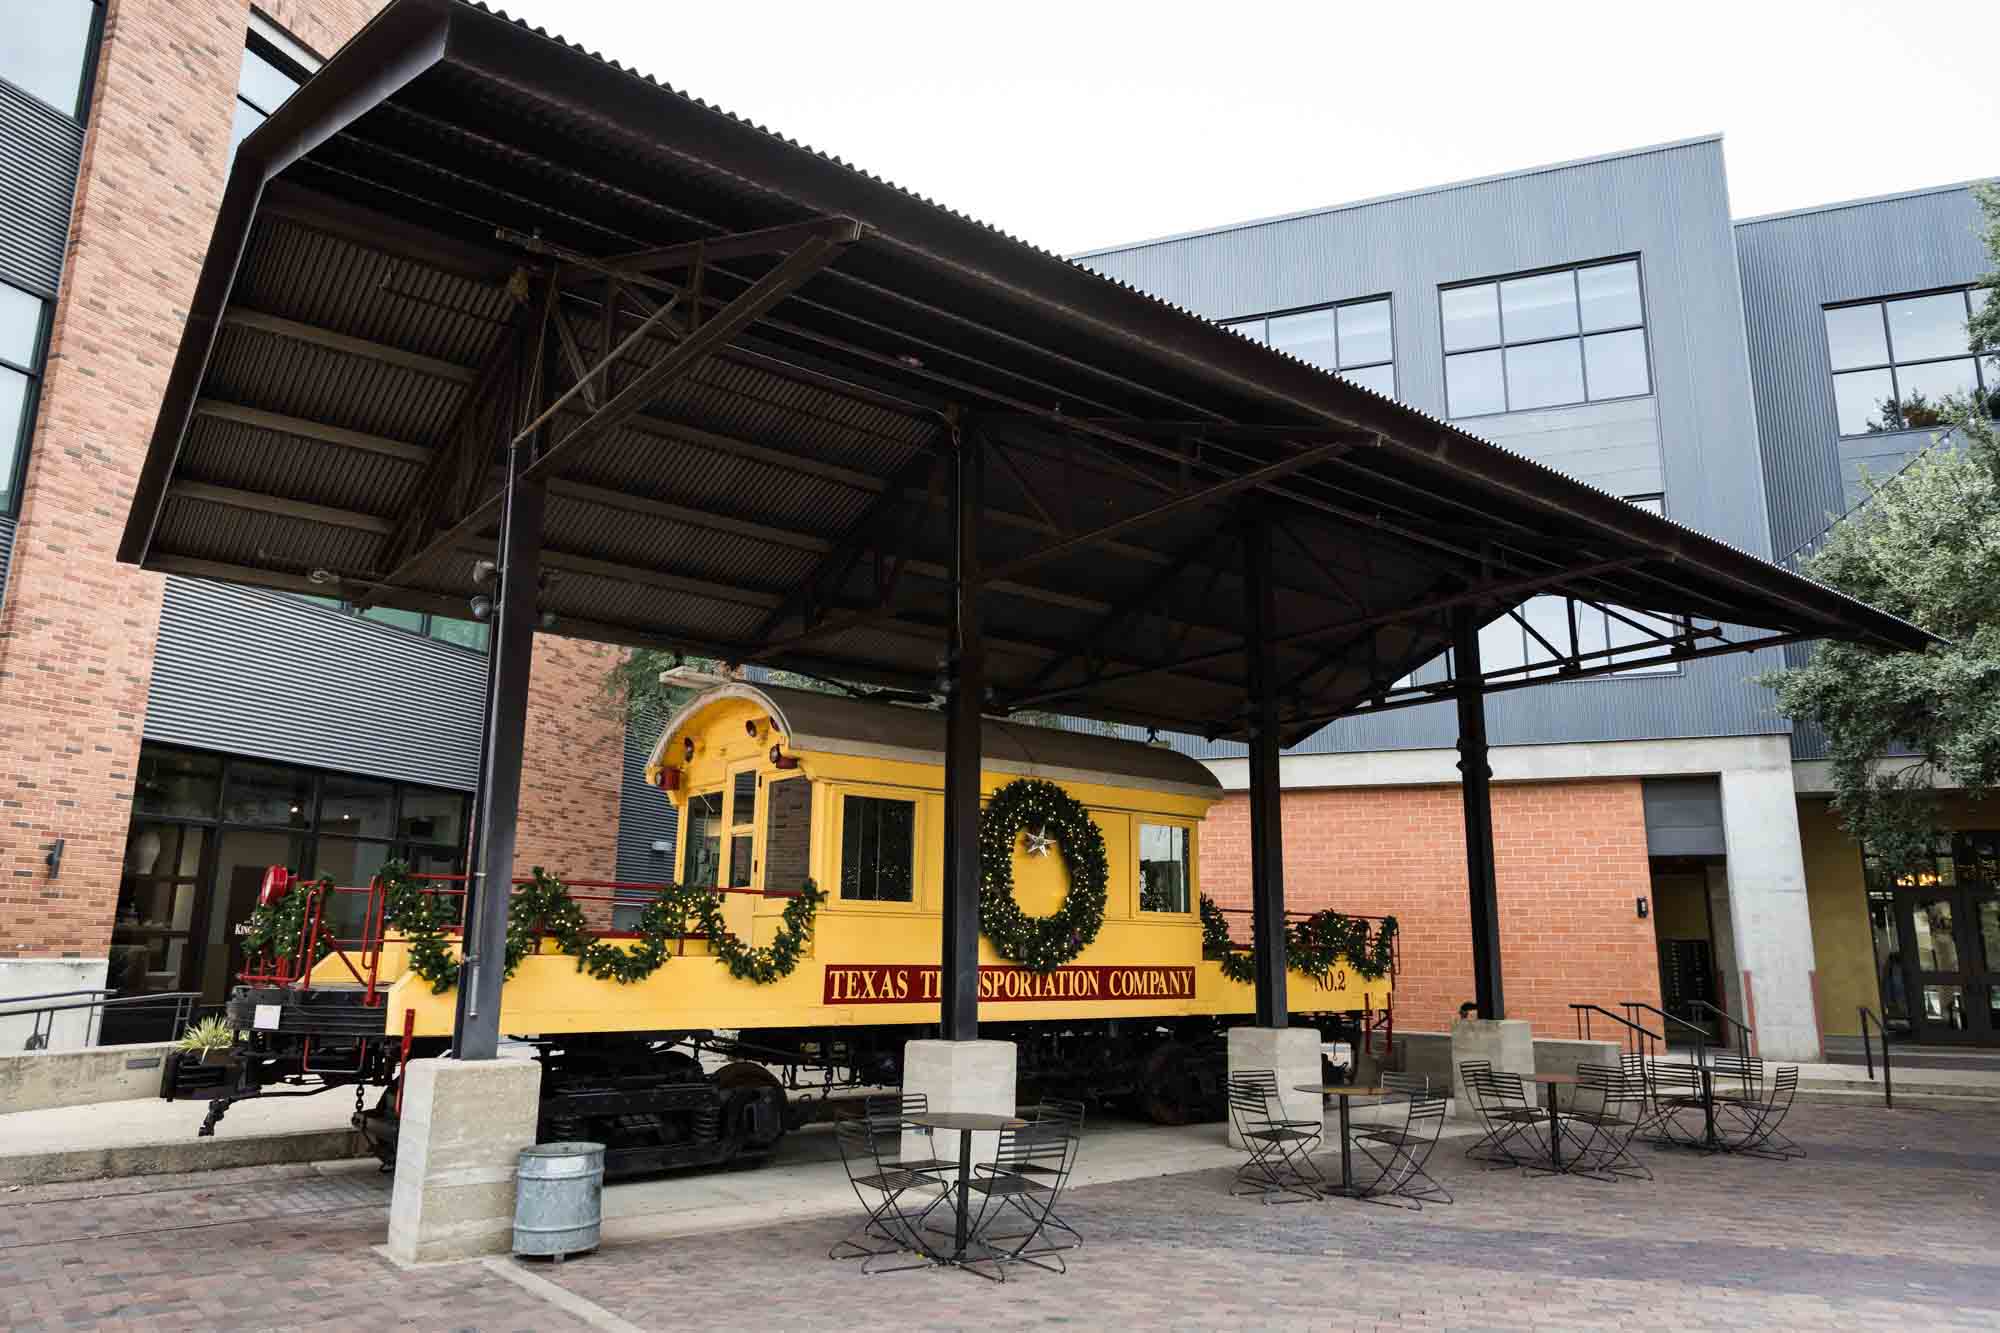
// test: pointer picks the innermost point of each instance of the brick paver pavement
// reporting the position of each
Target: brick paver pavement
(1892, 1221)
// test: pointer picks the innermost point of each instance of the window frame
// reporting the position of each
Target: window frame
(1985, 378)
(1139, 911)
(1240, 324)
(684, 851)
(13, 482)
(1579, 337)
(918, 802)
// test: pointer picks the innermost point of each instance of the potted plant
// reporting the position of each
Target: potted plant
(209, 1040)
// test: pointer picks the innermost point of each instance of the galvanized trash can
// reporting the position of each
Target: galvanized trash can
(558, 1199)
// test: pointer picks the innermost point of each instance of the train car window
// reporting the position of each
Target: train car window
(1163, 868)
(878, 849)
(742, 828)
(787, 835)
(704, 839)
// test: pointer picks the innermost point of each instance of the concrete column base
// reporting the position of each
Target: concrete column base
(977, 1076)
(1508, 1044)
(1294, 1054)
(464, 1125)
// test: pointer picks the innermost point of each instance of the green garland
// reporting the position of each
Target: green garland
(1312, 946)
(273, 929)
(1040, 944)
(544, 907)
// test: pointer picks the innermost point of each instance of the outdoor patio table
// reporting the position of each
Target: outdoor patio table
(1343, 1092)
(1553, 1082)
(966, 1124)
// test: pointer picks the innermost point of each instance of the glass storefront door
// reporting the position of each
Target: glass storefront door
(1949, 923)
(206, 827)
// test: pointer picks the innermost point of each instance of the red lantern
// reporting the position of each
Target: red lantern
(670, 779)
(277, 883)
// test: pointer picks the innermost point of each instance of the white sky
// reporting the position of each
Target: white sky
(1080, 125)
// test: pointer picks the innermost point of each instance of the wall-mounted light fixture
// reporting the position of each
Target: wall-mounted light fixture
(1644, 910)
(54, 859)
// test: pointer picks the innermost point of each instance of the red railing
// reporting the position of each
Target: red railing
(362, 955)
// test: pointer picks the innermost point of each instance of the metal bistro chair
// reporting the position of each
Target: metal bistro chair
(1747, 1070)
(1676, 1091)
(1025, 1178)
(1610, 1103)
(1053, 1112)
(1763, 1137)
(1280, 1168)
(1400, 1152)
(1504, 1107)
(890, 1112)
(887, 1232)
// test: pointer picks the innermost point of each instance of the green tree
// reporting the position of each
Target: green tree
(1924, 545)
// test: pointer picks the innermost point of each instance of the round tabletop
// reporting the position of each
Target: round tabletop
(1553, 1080)
(964, 1120)
(1339, 1090)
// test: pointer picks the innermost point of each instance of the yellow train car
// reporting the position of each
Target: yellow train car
(831, 807)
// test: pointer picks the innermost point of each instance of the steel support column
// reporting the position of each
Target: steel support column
(1267, 839)
(965, 680)
(477, 1032)
(1476, 786)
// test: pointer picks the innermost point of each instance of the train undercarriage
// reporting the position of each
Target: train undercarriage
(662, 1101)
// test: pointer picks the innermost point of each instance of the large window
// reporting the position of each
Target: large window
(204, 829)
(45, 50)
(1355, 338)
(1896, 361)
(270, 74)
(1545, 339)
(23, 343)
(878, 849)
(1164, 870)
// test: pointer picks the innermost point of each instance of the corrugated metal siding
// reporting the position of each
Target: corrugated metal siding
(1794, 264)
(644, 815)
(259, 673)
(6, 554)
(40, 152)
(1669, 206)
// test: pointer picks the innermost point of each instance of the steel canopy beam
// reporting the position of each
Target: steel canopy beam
(626, 404)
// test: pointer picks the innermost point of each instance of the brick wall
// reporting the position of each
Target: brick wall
(1570, 860)
(572, 764)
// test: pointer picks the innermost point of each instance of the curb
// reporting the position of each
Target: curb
(189, 1154)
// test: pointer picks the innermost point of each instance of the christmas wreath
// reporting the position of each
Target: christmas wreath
(1312, 946)
(543, 906)
(279, 920)
(1053, 818)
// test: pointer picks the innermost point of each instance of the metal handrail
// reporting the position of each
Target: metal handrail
(21, 1006)
(1867, 1052)
(1584, 1011)
(1700, 1033)
(1744, 1030)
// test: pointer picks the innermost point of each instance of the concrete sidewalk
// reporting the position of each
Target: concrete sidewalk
(152, 1137)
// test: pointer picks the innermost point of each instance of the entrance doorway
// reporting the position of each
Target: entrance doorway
(1937, 943)
(206, 826)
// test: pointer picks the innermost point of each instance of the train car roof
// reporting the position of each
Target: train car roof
(841, 724)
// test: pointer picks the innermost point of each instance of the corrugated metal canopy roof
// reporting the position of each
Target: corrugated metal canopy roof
(453, 217)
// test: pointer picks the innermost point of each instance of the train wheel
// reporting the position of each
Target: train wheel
(1168, 1088)
(743, 1086)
